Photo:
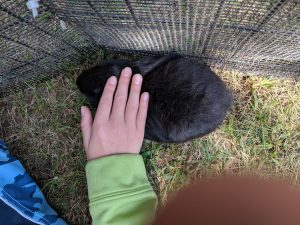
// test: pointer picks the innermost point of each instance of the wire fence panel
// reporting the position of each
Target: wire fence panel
(36, 49)
(251, 36)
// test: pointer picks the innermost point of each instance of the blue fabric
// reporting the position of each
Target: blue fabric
(20, 197)
(8, 216)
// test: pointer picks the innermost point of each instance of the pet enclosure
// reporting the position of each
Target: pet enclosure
(251, 36)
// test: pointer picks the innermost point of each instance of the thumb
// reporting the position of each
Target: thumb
(86, 125)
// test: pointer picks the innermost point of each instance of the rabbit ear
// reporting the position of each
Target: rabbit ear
(151, 63)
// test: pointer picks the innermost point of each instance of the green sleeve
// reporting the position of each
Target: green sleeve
(119, 191)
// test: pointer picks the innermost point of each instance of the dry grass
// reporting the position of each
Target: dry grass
(261, 134)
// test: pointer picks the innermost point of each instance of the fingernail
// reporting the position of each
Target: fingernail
(112, 80)
(137, 79)
(82, 111)
(146, 96)
(127, 71)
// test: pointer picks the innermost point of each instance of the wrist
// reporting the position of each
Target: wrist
(98, 156)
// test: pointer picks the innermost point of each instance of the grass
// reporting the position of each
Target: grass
(261, 134)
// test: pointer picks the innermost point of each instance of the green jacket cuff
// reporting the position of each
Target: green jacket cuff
(115, 175)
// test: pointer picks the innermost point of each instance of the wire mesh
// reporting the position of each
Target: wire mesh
(251, 36)
(35, 49)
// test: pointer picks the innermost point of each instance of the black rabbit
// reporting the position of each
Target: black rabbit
(187, 99)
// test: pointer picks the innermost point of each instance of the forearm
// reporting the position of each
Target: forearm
(119, 191)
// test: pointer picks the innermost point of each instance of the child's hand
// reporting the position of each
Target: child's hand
(120, 120)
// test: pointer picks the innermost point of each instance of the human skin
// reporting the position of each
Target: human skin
(119, 123)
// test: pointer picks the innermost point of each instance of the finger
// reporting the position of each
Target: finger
(121, 95)
(142, 113)
(134, 99)
(106, 100)
(86, 125)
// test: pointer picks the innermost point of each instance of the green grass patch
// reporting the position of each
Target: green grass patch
(261, 134)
